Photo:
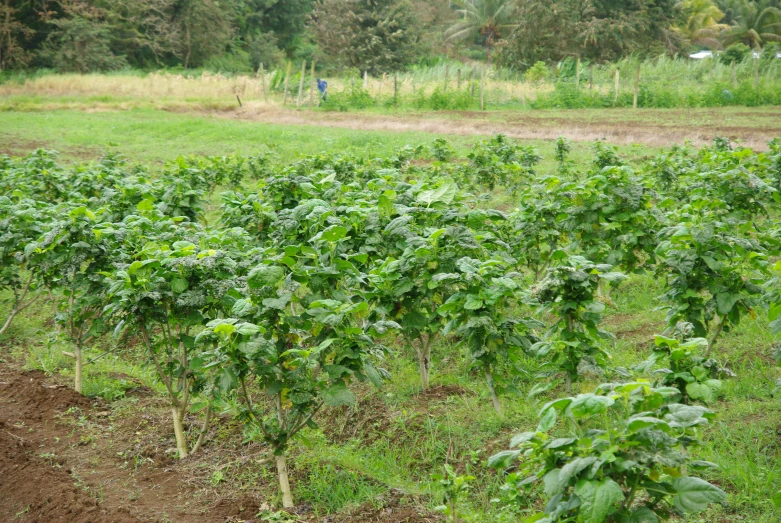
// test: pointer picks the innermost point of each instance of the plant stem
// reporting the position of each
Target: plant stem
(284, 483)
(204, 430)
(181, 440)
(494, 398)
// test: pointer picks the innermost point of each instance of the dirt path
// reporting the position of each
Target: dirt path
(652, 127)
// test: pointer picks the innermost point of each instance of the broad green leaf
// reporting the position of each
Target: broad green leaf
(599, 498)
(547, 421)
(263, 275)
(179, 285)
(445, 193)
(641, 515)
(695, 494)
(504, 459)
(333, 233)
(589, 405)
(473, 303)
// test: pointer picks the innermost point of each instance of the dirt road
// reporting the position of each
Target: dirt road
(753, 127)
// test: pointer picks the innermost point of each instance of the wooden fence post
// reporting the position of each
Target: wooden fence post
(577, 74)
(447, 75)
(301, 84)
(734, 75)
(365, 80)
(637, 87)
(312, 87)
(591, 77)
(482, 91)
(458, 79)
(396, 89)
(756, 70)
(618, 84)
(262, 74)
(287, 80)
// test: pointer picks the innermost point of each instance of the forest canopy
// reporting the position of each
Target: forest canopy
(367, 35)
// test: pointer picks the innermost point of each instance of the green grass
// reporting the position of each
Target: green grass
(149, 135)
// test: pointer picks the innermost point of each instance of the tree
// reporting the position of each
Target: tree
(12, 33)
(753, 25)
(484, 19)
(373, 35)
(81, 41)
(703, 22)
(299, 342)
(206, 29)
(599, 30)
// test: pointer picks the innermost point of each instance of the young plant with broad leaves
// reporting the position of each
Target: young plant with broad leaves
(72, 257)
(696, 377)
(299, 349)
(713, 267)
(165, 291)
(621, 457)
(22, 222)
(483, 315)
(574, 339)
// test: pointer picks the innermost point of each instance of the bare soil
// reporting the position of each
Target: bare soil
(65, 458)
(652, 127)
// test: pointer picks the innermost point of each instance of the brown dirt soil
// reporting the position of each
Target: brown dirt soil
(656, 128)
(71, 456)
(65, 458)
(393, 508)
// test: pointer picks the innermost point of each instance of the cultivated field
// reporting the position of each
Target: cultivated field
(418, 286)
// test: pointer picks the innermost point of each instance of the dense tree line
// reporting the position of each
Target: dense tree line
(374, 35)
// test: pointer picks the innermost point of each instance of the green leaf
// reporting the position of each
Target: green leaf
(598, 498)
(385, 206)
(504, 459)
(473, 303)
(263, 275)
(338, 395)
(641, 515)
(695, 494)
(777, 499)
(333, 233)
(705, 391)
(445, 193)
(725, 301)
(224, 328)
(547, 421)
(179, 285)
(589, 405)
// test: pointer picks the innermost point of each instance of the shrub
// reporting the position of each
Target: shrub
(622, 459)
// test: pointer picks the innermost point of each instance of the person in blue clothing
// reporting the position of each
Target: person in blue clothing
(322, 86)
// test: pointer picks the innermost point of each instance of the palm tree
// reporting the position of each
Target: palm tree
(703, 19)
(753, 25)
(486, 18)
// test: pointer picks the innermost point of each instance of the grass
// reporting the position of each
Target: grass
(396, 437)
(152, 136)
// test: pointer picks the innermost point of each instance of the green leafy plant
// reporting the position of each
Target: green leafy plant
(300, 335)
(712, 265)
(574, 339)
(620, 458)
(483, 315)
(696, 377)
(455, 486)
